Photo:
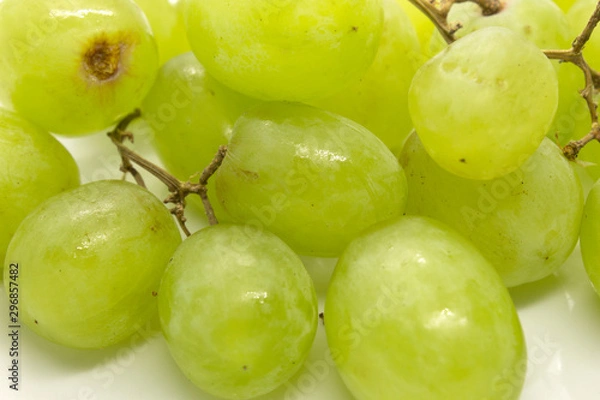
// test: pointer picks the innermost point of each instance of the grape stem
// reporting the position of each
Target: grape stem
(437, 11)
(592, 82)
(179, 190)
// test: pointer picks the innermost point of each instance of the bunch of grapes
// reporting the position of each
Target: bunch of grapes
(435, 167)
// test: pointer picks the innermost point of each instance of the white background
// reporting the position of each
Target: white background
(560, 316)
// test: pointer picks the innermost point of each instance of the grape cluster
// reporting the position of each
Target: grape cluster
(432, 172)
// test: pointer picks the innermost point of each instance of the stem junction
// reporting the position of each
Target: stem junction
(179, 190)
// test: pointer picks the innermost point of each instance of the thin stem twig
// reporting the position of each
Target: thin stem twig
(437, 11)
(574, 56)
(178, 190)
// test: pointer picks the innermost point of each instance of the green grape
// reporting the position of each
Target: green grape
(75, 66)
(526, 223)
(238, 311)
(483, 105)
(590, 236)
(90, 262)
(33, 167)
(572, 120)
(578, 16)
(540, 21)
(292, 50)
(191, 115)
(565, 5)
(423, 25)
(544, 24)
(312, 177)
(168, 27)
(379, 101)
(414, 311)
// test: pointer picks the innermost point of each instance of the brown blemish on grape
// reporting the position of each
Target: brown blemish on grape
(250, 175)
(462, 160)
(154, 294)
(104, 57)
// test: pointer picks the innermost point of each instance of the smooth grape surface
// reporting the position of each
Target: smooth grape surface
(379, 102)
(540, 21)
(483, 105)
(238, 310)
(292, 50)
(312, 177)
(565, 5)
(423, 25)
(191, 115)
(167, 26)
(526, 223)
(590, 236)
(75, 66)
(33, 167)
(414, 311)
(545, 25)
(90, 263)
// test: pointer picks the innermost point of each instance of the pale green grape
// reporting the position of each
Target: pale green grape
(33, 167)
(544, 24)
(483, 105)
(540, 21)
(191, 115)
(590, 236)
(75, 66)
(312, 177)
(423, 25)
(379, 101)
(288, 49)
(414, 311)
(168, 27)
(90, 262)
(565, 5)
(526, 223)
(238, 310)
(579, 15)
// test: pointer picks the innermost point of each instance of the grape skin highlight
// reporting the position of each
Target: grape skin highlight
(90, 263)
(238, 310)
(483, 105)
(526, 223)
(312, 177)
(33, 167)
(293, 50)
(414, 311)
